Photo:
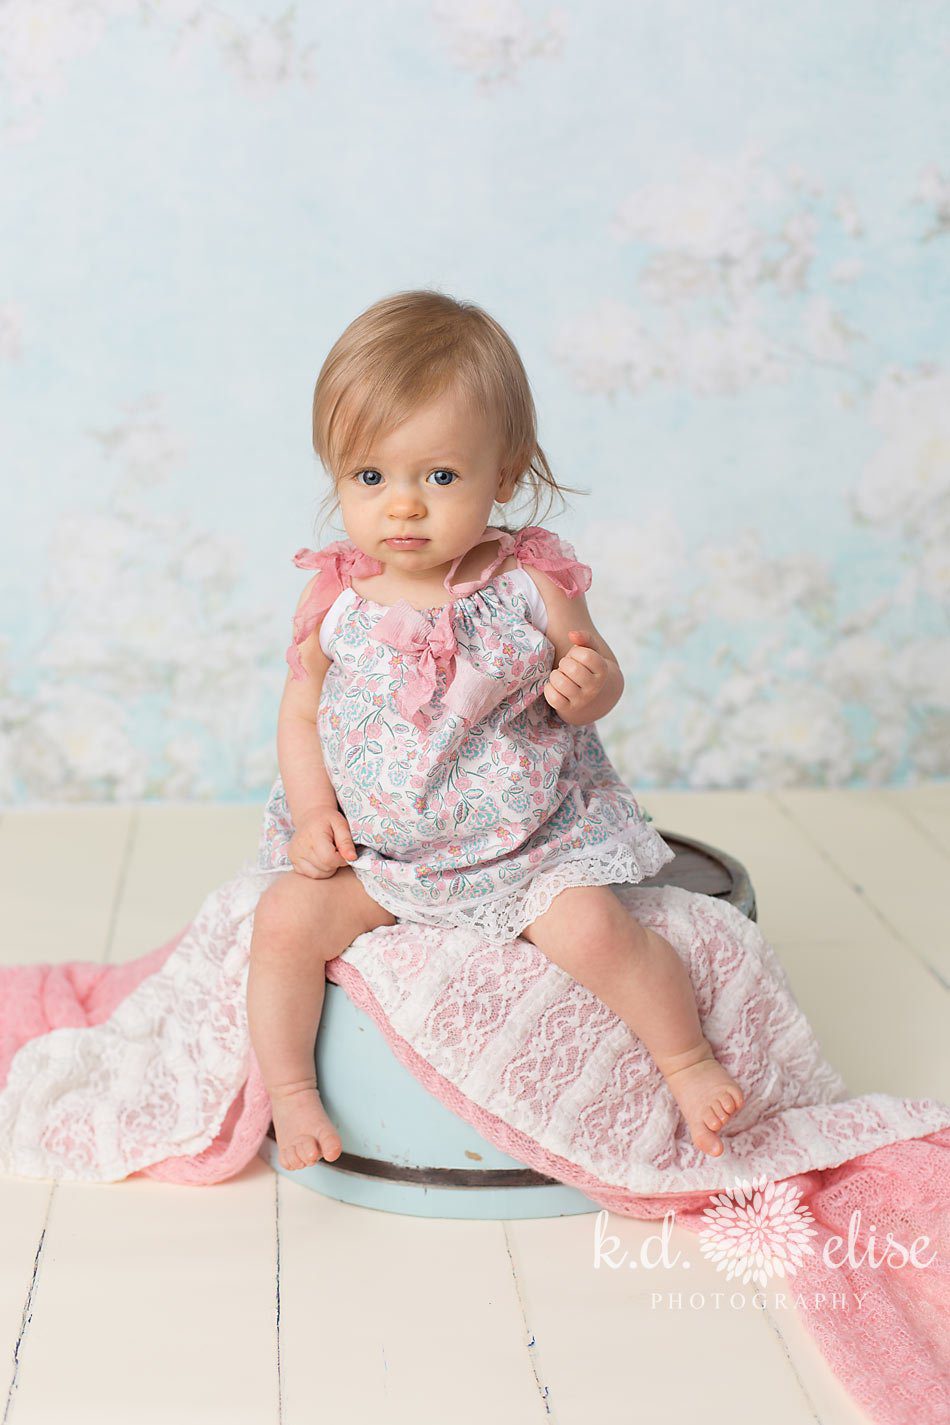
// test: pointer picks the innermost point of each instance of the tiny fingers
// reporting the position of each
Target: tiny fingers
(563, 682)
(344, 841)
(329, 855)
(582, 674)
(586, 666)
(320, 858)
(305, 868)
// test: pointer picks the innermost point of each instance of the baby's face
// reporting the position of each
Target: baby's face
(436, 476)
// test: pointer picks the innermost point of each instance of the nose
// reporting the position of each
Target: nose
(406, 504)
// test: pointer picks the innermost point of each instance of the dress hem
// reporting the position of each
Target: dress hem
(502, 918)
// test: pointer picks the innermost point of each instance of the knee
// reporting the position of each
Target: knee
(609, 932)
(279, 912)
(592, 923)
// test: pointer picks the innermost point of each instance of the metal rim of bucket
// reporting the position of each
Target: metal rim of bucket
(740, 894)
(435, 1177)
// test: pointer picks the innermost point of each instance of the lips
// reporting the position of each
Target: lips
(406, 541)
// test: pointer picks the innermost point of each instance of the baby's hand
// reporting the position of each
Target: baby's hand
(578, 678)
(322, 844)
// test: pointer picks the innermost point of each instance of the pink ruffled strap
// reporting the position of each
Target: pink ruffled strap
(506, 544)
(546, 551)
(337, 563)
(532, 545)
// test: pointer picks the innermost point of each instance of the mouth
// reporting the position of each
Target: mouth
(406, 542)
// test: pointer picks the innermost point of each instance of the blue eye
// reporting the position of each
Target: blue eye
(375, 483)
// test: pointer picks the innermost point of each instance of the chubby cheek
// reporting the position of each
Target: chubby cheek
(355, 517)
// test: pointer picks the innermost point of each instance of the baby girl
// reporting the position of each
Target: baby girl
(438, 757)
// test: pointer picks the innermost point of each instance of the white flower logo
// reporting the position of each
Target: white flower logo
(757, 1230)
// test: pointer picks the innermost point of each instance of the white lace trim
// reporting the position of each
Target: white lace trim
(503, 916)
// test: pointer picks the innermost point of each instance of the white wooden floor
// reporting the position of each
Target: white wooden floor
(259, 1301)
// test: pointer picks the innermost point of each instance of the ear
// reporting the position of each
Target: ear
(505, 487)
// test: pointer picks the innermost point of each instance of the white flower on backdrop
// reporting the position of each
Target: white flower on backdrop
(904, 490)
(495, 39)
(723, 301)
(746, 664)
(782, 712)
(155, 672)
(155, 677)
(39, 44)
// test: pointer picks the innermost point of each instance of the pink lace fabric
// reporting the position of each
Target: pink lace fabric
(146, 1067)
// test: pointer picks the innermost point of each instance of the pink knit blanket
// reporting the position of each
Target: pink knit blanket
(146, 1067)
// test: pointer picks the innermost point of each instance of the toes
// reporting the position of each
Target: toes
(732, 1101)
(308, 1148)
(711, 1118)
(331, 1145)
(707, 1142)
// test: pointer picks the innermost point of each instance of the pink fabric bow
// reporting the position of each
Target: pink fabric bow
(337, 562)
(469, 693)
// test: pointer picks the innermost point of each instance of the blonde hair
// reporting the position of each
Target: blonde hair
(408, 349)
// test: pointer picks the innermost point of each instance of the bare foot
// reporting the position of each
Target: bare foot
(302, 1127)
(706, 1094)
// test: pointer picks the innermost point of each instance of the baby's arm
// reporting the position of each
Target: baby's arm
(299, 755)
(586, 680)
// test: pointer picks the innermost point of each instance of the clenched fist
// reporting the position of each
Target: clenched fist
(578, 678)
(321, 844)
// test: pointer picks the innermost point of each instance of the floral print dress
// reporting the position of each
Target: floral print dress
(470, 801)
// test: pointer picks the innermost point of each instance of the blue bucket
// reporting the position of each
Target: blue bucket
(403, 1150)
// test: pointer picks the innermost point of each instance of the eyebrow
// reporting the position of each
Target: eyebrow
(426, 459)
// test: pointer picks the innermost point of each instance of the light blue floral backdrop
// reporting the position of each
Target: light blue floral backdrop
(719, 234)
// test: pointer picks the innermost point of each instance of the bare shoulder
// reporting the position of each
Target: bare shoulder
(301, 695)
(565, 614)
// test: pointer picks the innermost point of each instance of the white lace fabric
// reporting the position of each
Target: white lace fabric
(516, 1040)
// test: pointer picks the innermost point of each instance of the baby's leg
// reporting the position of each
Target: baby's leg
(638, 974)
(300, 922)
